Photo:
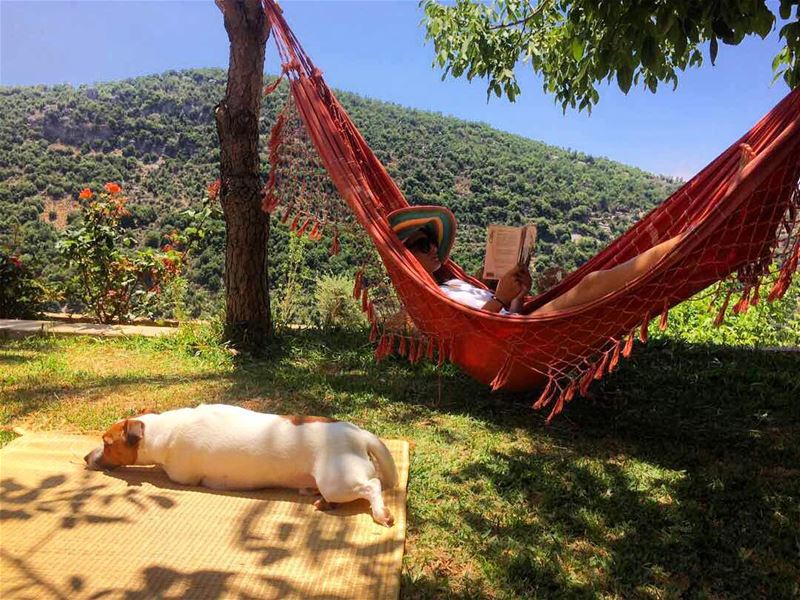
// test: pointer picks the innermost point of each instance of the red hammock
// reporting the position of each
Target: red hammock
(735, 217)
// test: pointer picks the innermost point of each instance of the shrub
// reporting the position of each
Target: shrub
(336, 308)
(291, 302)
(766, 324)
(109, 275)
(21, 296)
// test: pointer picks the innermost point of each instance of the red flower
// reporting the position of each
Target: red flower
(171, 266)
(167, 248)
(113, 188)
(85, 194)
(14, 260)
(213, 189)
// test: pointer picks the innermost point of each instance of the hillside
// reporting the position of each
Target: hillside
(155, 135)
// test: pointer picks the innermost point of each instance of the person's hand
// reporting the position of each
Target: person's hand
(512, 285)
(525, 281)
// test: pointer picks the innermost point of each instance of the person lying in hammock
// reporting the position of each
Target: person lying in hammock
(428, 232)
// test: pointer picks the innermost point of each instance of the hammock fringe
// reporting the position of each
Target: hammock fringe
(547, 392)
(628, 348)
(600, 371)
(502, 375)
(644, 328)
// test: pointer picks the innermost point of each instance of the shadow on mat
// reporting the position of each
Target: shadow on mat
(257, 544)
(59, 494)
(157, 581)
(135, 476)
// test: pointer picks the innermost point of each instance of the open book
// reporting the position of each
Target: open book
(507, 247)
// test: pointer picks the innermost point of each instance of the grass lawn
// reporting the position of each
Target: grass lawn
(679, 477)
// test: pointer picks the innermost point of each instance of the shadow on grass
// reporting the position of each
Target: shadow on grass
(12, 359)
(679, 478)
(32, 396)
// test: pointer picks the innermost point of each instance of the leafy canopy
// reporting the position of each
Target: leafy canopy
(576, 44)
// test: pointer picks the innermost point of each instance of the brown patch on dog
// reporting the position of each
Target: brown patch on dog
(302, 420)
(121, 443)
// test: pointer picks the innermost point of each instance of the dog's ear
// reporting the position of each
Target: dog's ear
(134, 431)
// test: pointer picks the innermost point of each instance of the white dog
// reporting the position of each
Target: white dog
(231, 448)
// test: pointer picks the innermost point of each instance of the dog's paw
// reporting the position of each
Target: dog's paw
(323, 504)
(387, 520)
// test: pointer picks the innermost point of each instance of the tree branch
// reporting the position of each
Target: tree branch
(535, 12)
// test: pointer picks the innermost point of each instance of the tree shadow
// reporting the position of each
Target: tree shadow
(256, 577)
(34, 396)
(578, 528)
(12, 359)
(678, 476)
(57, 494)
(669, 489)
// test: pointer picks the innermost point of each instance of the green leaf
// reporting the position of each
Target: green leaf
(649, 50)
(624, 78)
(779, 59)
(785, 9)
(577, 49)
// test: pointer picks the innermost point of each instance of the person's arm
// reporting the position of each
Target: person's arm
(525, 280)
(511, 286)
(516, 304)
(494, 305)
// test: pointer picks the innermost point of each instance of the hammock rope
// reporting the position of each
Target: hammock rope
(728, 224)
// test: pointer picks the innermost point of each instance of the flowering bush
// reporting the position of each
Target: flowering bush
(20, 293)
(113, 278)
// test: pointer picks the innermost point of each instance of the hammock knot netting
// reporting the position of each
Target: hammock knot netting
(729, 225)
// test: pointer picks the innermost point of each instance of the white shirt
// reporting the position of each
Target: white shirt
(467, 294)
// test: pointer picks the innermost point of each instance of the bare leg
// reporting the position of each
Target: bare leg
(598, 284)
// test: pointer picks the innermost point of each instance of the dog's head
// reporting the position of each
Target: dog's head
(120, 446)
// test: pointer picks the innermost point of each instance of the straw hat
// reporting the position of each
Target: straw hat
(437, 220)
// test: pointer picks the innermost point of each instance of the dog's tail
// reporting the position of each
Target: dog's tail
(381, 456)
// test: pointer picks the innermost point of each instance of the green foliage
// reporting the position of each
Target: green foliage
(292, 301)
(336, 308)
(577, 44)
(109, 275)
(768, 324)
(21, 296)
(170, 302)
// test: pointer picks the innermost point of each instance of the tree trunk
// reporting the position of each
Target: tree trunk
(247, 322)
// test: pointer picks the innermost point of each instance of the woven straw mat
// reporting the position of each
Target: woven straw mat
(67, 532)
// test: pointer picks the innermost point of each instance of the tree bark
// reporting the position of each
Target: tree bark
(247, 322)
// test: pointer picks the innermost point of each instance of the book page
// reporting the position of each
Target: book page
(503, 246)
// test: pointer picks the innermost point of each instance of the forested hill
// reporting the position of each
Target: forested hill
(155, 135)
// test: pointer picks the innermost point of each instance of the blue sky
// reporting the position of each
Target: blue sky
(377, 49)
